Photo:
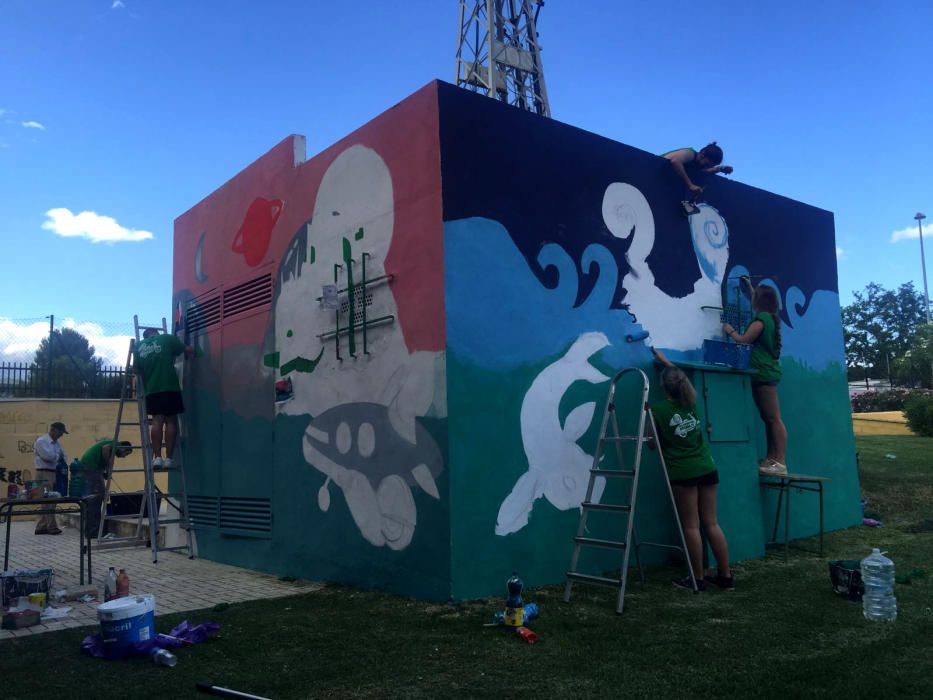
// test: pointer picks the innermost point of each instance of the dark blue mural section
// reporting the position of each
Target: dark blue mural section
(544, 181)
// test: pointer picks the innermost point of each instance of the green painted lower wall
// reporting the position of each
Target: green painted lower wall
(487, 456)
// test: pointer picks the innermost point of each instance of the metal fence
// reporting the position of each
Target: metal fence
(71, 359)
(22, 380)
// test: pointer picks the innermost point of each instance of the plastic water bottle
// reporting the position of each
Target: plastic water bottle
(110, 585)
(878, 602)
(163, 657)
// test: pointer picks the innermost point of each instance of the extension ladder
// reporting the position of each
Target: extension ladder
(147, 518)
(646, 420)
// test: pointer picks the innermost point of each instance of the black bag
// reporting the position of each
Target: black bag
(846, 575)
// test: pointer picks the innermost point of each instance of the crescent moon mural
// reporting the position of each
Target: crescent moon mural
(198, 272)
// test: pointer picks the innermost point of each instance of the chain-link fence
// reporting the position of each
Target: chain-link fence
(62, 358)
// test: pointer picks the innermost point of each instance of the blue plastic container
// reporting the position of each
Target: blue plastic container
(721, 352)
(125, 622)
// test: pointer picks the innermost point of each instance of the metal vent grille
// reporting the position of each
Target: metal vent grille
(246, 516)
(244, 297)
(200, 315)
(360, 296)
(203, 511)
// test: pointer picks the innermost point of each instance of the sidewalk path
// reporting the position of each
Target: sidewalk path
(178, 583)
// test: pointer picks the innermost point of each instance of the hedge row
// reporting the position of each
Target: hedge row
(889, 400)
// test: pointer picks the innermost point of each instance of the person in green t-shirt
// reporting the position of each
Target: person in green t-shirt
(764, 332)
(692, 472)
(155, 361)
(97, 462)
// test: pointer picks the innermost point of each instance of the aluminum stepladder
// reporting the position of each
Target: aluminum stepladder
(151, 494)
(610, 420)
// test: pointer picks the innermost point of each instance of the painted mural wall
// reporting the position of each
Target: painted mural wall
(558, 245)
(404, 345)
(313, 291)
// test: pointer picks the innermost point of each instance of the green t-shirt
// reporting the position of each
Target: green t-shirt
(680, 432)
(763, 360)
(155, 357)
(93, 457)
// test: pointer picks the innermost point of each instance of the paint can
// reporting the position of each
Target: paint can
(126, 621)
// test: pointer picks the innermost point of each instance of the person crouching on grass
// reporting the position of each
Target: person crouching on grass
(692, 473)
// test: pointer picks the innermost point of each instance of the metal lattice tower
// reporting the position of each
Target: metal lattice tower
(498, 52)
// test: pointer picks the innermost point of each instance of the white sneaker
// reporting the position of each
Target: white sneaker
(157, 463)
(772, 468)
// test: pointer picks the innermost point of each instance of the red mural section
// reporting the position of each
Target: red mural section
(244, 227)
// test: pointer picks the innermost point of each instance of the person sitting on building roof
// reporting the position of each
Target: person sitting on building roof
(685, 160)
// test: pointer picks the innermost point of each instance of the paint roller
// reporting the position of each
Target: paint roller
(636, 337)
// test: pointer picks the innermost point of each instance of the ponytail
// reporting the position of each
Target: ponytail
(678, 387)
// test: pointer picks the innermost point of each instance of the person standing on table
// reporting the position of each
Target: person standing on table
(765, 332)
(155, 362)
(97, 462)
(692, 472)
(48, 452)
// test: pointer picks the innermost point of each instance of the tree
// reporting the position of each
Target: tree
(879, 326)
(74, 367)
(916, 365)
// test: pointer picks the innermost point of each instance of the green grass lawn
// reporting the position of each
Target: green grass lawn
(783, 633)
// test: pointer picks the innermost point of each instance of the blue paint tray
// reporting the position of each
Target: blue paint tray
(721, 352)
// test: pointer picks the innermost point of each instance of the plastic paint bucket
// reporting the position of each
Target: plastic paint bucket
(126, 621)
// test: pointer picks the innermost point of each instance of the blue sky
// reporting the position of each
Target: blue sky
(137, 109)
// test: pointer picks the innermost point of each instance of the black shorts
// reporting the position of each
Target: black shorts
(710, 479)
(165, 403)
(773, 382)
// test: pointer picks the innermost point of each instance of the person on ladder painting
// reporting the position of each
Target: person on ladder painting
(154, 359)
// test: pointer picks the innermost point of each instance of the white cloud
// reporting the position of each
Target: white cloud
(117, 5)
(33, 125)
(2, 112)
(839, 252)
(94, 227)
(911, 232)
(19, 340)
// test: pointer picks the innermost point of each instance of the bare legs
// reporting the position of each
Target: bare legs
(766, 399)
(688, 509)
(695, 505)
(156, 428)
(166, 426)
(717, 540)
(171, 434)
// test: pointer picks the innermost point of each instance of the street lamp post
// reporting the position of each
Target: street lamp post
(926, 295)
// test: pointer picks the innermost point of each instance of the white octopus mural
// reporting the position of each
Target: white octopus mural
(677, 323)
(363, 435)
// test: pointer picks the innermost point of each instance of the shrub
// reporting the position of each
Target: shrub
(891, 400)
(919, 410)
